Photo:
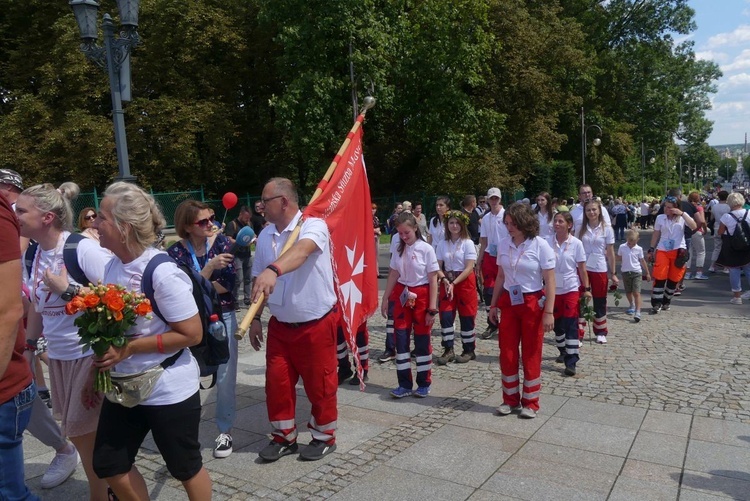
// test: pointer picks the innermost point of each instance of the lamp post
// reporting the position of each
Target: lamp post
(651, 160)
(584, 145)
(666, 172)
(114, 57)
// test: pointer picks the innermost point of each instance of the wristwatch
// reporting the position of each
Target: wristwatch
(587, 289)
(71, 291)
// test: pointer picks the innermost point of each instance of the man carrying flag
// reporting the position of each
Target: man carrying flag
(301, 341)
(297, 276)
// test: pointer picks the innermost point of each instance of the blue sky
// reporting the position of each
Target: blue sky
(723, 36)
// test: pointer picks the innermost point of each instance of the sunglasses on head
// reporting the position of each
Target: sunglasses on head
(90, 218)
(205, 222)
(670, 199)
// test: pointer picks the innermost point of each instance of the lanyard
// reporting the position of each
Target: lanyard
(196, 265)
(514, 267)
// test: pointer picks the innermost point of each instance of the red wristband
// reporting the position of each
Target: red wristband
(274, 269)
(159, 344)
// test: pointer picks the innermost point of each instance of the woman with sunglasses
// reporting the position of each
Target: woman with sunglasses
(86, 220)
(670, 256)
(208, 253)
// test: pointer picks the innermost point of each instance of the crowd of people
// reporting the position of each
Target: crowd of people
(536, 267)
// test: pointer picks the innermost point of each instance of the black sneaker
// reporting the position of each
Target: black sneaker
(560, 359)
(46, 397)
(488, 332)
(655, 310)
(345, 374)
(223, 445)
(387, 356)
(276, 450)
(570, 371)
(316, 450)
(355, 380)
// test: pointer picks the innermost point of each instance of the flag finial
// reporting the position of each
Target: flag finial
(368, 103)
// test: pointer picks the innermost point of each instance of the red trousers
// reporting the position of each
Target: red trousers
(521, 324)
(307, 351)
(489, 270)
(465, 299)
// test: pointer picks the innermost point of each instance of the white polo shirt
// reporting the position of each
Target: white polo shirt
(546, 229)
(455, 254)
(567, 257)
(595, 242)
(631, 257)
(578, 215)
(306, 293)
(672, 232)
(494, 230)
(522, 265)
(437, 232)
(417, 261)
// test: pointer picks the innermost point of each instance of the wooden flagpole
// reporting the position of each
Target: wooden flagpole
(369, 102)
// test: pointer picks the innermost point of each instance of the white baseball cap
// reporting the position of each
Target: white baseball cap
(494, 192)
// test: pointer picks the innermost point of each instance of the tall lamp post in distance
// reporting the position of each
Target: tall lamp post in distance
(114, 57)
(651, 160)
(584, 145)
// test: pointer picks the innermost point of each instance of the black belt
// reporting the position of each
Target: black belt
(297, 325)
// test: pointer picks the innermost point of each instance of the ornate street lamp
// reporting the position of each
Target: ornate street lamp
(114, 57)
(584, 144)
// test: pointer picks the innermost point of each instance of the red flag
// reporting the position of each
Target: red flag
(346, 206)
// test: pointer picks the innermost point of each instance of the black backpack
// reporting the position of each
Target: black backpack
(70, 258)
(740, 239)
(210, 352)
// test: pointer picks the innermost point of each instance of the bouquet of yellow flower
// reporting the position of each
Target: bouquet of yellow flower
(108, 312)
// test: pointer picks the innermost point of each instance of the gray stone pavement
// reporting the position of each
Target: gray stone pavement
(660, 412)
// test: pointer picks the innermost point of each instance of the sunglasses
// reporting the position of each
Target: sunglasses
(670, 199)
(205, 222)
(90, 218)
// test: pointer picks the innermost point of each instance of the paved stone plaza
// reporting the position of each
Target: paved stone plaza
(661, 412)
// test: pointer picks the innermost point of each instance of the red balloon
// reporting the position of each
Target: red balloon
(229, 200)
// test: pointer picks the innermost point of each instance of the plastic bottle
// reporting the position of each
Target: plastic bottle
(216, 328)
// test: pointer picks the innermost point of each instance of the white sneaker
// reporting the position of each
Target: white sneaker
(701, 276)
(61, 467)
(688, 276)
(736, 300)
(725, 271)
(601, 339)
(506, 409)
(746, 295)
(528, 413)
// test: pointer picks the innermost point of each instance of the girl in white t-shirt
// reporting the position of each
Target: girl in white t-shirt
(413, 287)
(45, 215)
(570, 268)
(668, 240)
(545, 213)
(128, 223)
(598, 241)
(525, 294)
(437, 222)
(456, 256)
(634, 269)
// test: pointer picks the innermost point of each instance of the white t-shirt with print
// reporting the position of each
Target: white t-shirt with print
(672, 233)
(417, 261)
(522, 265)
(173, 292)
(455, 254)
(58, 329)
(595, 242)
(567, 257)
(631, 257)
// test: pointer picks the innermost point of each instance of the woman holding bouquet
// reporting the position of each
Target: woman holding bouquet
(128, 223)
(208, 253)
(45, 215)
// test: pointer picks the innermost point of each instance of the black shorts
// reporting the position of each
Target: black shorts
(174, 427)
